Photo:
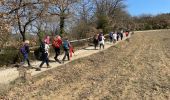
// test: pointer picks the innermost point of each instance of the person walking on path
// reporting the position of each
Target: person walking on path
(47, 39)
(25, 52)
(57, 42)
(118, 35)
(71, 50)
(101, 40)
(127, 33)
(114, 37)
(95, 41)
(45, 54)
(111, 37)
(66, 47)
(121, 34)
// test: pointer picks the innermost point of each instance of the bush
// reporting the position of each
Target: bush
(10, 56)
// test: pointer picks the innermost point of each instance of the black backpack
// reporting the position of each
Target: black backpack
(42, 48)
(100, 38)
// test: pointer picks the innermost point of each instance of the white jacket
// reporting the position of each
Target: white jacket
(102, 42)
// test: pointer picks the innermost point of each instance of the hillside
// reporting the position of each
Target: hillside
(138, 68)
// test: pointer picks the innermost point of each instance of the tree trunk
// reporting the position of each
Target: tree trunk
(23, 37)
(62, 21)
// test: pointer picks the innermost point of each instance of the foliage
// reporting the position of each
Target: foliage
(148, 22)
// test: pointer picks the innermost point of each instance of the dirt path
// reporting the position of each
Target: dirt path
(137, 69)
(9, 75)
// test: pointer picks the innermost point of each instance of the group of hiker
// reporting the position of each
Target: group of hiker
(44, 47)
(99, 39)
(115, 36)
(58, 42)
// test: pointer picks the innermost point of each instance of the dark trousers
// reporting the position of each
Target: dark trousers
(117, 37)
(44, 59)
(121, 36)
(95, 43)
(57, 53)
(111, 39)
(26, 59)
(101, 46)
(66, 54)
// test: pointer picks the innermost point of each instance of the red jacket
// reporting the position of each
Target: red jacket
(57, 43)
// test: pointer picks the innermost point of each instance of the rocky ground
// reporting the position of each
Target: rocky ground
(136, 69)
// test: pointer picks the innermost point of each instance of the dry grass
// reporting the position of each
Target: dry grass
(136, 69)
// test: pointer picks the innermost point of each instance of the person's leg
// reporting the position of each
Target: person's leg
(44, 56)
(65, 54)
(42, 63)
(100, 45)
(68, 55)
(28, 62)
(55, 53)
(95, 45)
(47, 61)
(110, 39)
(58, 52)
(103, 46)
(24, 59)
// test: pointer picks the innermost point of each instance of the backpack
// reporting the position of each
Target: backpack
(22, 50)
(110, 34)
(66, 45)
(100, 38)
(42, 48)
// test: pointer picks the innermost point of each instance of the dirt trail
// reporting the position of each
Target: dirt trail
(10, 74)
(136, 69)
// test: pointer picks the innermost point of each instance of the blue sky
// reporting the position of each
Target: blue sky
(153, 7)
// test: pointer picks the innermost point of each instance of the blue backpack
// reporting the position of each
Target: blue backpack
(110, 34)
(66, 45)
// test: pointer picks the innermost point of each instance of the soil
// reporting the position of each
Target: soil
(136, 69)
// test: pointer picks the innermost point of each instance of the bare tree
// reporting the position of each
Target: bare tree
(23, 13)
(61, 8)
(106, 11)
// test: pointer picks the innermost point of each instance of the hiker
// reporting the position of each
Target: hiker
(127, 33)
(114, 37)
(45, 54)
(95, 41)
(66, 47)
(47, 39)
(117, 37)
(71, 51)
(121, 34)
(25, 52)
(101, 40)
(111, 36)
(57, 42)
